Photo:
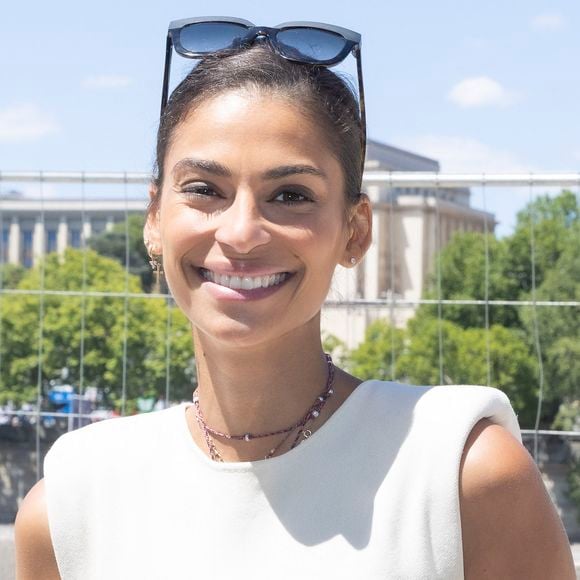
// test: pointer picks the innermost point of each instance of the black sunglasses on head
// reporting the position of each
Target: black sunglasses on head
(308, 42)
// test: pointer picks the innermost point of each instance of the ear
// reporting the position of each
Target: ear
(360, 232)
(151, 230)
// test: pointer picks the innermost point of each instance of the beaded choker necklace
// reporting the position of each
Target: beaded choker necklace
(303, 433)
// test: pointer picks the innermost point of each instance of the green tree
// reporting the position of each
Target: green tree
(555, 220)
(463, 266)
(465, 360)
(115, 243)
(558, 326)
(10, 275)
(114, 326)
(377, 355)
(556, 267)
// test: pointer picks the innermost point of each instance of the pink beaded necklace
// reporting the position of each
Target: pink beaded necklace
(303, 433)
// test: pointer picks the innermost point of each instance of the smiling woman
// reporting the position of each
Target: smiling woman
(282, 465)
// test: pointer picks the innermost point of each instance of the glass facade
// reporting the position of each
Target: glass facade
(51, 240)
(27, 255)
(4, 244)
(75, 237)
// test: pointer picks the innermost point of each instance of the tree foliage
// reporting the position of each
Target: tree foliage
(376, 357)
(465, 354)
(109, 341)
(10, 275)
(124, 243)
(555, 226)
(462, 265)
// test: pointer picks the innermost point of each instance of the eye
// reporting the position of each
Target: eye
(292, 197)
(198, 190)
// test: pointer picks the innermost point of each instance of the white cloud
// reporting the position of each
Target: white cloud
(464, 155)
(26, 122)
(481, 92)
(106, 82)
(549, 21)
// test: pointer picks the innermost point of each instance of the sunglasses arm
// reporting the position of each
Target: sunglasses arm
(166, 73)
(363, 116)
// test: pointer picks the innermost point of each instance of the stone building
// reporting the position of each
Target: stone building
(409, 226)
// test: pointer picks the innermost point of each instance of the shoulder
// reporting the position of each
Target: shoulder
(110, 435)
(453, 407)
(510, 527)
(451, 396)
(34, 551)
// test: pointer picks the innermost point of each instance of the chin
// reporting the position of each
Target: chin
(231, 333)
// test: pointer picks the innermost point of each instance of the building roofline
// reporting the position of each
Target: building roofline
(399, 151)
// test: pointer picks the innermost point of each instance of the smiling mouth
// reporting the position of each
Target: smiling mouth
(244, 282)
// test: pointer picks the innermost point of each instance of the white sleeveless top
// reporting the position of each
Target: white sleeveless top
(372, 494)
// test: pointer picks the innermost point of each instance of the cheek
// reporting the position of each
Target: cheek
(181, 229)
(324, 243)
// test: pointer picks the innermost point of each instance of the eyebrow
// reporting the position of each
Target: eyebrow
(286, 170)
(221, 170)
(208, 166)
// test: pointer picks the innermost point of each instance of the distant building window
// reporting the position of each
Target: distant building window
(27, 255)
(98, 226)
(75, 238)
(5, 242)
(50, 241)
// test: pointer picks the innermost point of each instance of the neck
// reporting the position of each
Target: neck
(261, 388)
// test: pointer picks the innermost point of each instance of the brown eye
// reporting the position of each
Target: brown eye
(198, 190)
(291, 197)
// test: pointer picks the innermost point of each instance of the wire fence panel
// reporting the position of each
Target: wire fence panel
(107, 337)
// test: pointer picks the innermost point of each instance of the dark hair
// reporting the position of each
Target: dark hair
(324, 96)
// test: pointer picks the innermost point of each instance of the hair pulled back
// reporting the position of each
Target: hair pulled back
(322, 95)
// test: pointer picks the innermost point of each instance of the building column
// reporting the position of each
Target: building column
(110, 223)
(38, 241)
(373, 260)
(62, 236)
(14, 242)
(87, 230)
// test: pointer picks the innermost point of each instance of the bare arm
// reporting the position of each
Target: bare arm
(34, 552)
(510, 527)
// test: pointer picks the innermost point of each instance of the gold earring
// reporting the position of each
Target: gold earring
(157, 267)
(154, 261)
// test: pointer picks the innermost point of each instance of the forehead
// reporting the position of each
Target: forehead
(248, 128)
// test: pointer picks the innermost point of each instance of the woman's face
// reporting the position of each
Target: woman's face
(251, 222)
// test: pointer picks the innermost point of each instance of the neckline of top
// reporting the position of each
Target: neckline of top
(261, 464)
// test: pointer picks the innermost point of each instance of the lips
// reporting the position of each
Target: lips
(238, 282)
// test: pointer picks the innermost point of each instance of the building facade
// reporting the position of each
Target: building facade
(31, 228)
(410, 225)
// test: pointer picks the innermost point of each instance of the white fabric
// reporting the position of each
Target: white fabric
(372, 494)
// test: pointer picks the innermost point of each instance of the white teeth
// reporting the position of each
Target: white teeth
(245, 282)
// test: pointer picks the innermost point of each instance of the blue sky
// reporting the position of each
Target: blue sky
(487, 86)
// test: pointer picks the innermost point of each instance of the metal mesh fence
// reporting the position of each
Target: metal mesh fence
(114, 197)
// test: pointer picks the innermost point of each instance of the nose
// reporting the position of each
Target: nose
(241, 226)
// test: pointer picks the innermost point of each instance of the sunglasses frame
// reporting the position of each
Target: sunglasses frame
(352, 46)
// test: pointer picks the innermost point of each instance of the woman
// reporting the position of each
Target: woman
(283, 465)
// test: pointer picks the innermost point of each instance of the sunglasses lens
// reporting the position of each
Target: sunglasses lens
(310, 44)
(207, 37)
